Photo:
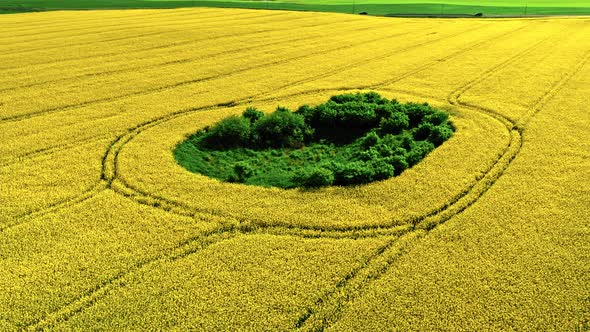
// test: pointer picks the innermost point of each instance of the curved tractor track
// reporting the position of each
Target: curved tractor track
(260, 97)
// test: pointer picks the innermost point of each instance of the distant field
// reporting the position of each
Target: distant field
(101, 229)
(372, 7)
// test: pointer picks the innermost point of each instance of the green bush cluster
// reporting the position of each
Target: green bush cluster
(351, 139)
(373, 158)
(254, 129)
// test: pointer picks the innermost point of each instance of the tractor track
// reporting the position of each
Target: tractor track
(329, 309)
(110, 29)
(47, 151)
(183, 209)
(180, 61)
(25, 116)
(187, 247)
(164, 46)
(61, 147)
(149, 199)
(43, 24)
(86, 28)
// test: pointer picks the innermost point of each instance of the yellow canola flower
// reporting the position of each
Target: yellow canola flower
(101, 229)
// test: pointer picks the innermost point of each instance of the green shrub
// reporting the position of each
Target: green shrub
(313, 177)
(416, 112)
(252, 114)
(385, 110)
(306, 111)
(394, 124)
(241, 171)
(418, 151)
(351, 114)
(370, 97)
(370, 140)
(281, 128)
(341, 109)
(381, 169)
(356, 115)
(436, 117)
(230, 132)
(440, 134)
(391, 142)
(339, 123)
(366, 155)
(373, 97)
(398, 162)
(387, 150)
(347, 98)
(283, 109)
(325, 115)
(423, 131)
(353, 173)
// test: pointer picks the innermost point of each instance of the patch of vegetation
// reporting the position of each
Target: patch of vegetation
(349, 140)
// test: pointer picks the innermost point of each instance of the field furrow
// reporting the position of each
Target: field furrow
(174, 43)
(522, 251)
(172, 36)
(89, 238)
(176, 54)
(87, 26)
(151, 82)
(275, 304)
(107, 32)
(72, 18)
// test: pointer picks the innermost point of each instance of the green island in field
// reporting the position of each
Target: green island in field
(351, 139)
(371, 7)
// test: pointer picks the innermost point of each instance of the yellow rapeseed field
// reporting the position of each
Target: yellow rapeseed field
(101, 229)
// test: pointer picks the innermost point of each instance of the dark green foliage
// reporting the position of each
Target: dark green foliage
(381, 169)
(416, 112)
(313, 177)
(355, 172)
(373, 97)
(230, 132)
(423, 131)
(252, 114)
(398, 162)
(347, 98)
(281, 128)
(394, 124)
(405, 140)
(369, 154)
(242, 171)
(370, 140)
(349, 140)
(418, 151)
(386, 110)
(355, 115)
(334, 116)
(440, 134)
(436, 117)
(395, 144)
